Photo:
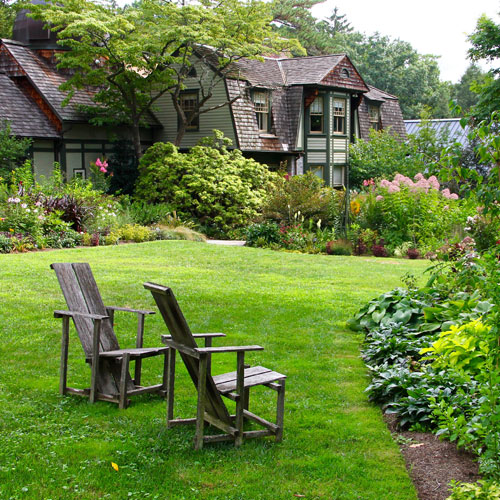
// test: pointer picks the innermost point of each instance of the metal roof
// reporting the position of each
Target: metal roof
(449, 126)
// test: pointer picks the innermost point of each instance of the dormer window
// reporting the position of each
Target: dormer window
(316, 116)
(339, 110)
(262, 107)
(374, 113)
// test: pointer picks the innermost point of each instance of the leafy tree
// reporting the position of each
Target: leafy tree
(390, 65)
(13, 151)
(383, 155)
(7, 16)
(464, 96)
(293, 19)
(134, 55)
(486, 45)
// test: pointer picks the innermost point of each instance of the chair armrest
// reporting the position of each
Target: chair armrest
(128, 309)
(242, 348)
(184, 349)
(72, 314)
(164, 338)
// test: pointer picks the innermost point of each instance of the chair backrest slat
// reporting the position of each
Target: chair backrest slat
(82, 295)
(181, 333)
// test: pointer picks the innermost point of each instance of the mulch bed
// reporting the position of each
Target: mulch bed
(432, 463)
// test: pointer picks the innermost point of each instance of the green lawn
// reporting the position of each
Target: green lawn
(336, 445)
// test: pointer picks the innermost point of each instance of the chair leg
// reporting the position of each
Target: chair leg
(137, 372)
(280, 411)
(123, 380)
(64, 356)
(240, 403)
(200, 413)
(170, 355)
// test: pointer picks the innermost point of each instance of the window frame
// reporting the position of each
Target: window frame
(322, 115)
(263, 118)
(194, 125)
(339, 119)
(374, 123)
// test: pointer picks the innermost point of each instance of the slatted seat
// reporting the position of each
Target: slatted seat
(110, 377)
(235, 385)
(257, 375)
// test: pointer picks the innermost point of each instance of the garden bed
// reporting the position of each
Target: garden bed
(431, 463)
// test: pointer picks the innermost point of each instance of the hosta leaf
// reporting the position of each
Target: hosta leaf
(378, 315)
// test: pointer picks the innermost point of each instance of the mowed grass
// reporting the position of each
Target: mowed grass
(336, 445)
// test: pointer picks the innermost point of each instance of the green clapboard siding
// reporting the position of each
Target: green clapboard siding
(218, 119)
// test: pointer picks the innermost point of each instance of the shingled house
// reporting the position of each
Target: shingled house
(302, 111)
(305, 111)
(31, 101)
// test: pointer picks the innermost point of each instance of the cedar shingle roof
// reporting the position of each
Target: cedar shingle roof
(315, 70)
(19, 60)
(46, 80)
(390, 113)
(26, 119)
(308, 70)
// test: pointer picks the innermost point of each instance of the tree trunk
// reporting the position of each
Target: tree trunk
(180, 133)
(136, 139)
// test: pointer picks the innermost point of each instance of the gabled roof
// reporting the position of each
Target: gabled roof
(46, 80)
(287, 72)
(26, 120)
(18, 60)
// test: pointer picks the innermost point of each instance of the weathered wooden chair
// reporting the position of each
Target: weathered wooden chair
(234, 385)
(110, 378)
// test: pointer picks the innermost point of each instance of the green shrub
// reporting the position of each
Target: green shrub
(5, 244)
(305, 194)
(219, 188)
(147, 214)
(13, 151)
(338, 247)
(263, 234)
(482, 490)
(134, 232)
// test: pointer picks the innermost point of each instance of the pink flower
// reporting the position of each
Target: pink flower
(453, 196)
(393, 189)
(385, 183)
(103, 165)
(379, 198)
(434, 183)
(446, 207)
(419, 177)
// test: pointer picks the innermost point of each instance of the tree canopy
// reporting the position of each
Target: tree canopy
(390, 65)
(136, 54)
(486, 46)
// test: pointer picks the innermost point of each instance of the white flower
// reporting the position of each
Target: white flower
(23, 205)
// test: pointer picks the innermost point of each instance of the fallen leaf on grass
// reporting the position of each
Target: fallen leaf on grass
(115, 466)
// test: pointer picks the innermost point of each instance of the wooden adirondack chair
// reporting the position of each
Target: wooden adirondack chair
(110, 378)
(234, 385)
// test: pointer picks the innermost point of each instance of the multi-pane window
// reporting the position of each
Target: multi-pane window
(339, 111)
(374, 112)
(189, 104)
(316, 115)
(261, 106)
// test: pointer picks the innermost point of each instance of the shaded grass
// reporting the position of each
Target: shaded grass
(336, 445)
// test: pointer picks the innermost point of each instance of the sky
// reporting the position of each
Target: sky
(437, 27)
